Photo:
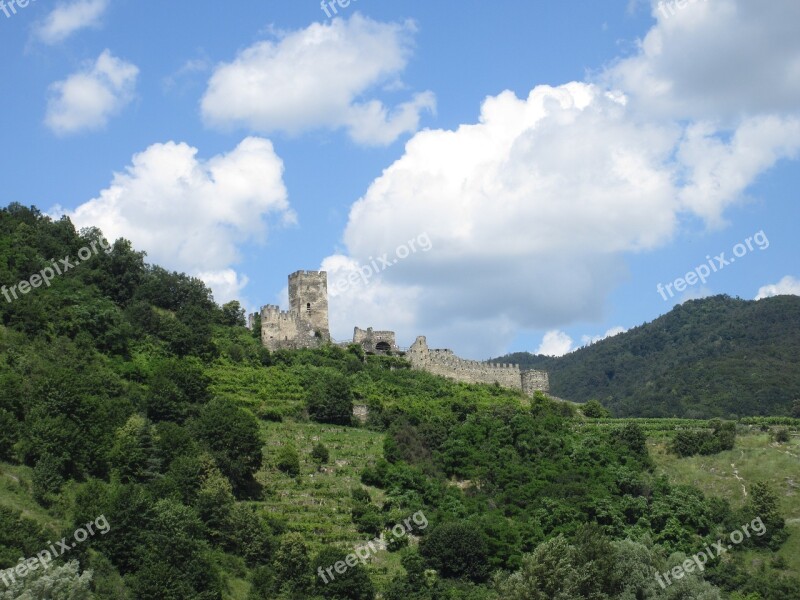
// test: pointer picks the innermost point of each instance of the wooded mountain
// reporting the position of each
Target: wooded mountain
(715, 357)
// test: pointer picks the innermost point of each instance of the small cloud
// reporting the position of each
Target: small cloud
(788, 286)
(190, 67)
(555, 343)
(66, 19)
(89, 98)
(587, 340)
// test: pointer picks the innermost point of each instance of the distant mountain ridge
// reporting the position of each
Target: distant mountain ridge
(715, 357)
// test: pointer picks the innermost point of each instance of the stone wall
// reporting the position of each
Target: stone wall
(535, 381)
(375, 342)
(305, 324)
(447, 364)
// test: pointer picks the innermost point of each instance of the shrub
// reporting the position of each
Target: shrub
(320, 454)
(288, 461)
(782, 435)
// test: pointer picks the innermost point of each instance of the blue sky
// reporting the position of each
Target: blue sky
(551, 163)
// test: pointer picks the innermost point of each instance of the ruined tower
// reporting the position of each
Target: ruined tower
(305, 324)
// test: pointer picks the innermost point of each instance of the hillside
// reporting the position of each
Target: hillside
(217, 470)
(715, 357)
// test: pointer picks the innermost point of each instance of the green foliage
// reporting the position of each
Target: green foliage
(353, 584)
(232, 436)
(782, 435)
(594, 410)
(320, 454)
(288, 460)
(48, 478)
(59, 582)
(126, 392)
(176, 389)
(233, 314)
(134, 456)
(690, 442)
(456, 550)
(330, 399)
(291, 564)
(763, 505)
(714, 357)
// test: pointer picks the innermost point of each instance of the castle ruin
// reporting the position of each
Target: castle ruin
(447, 364)
(305, 325)
(375, 342)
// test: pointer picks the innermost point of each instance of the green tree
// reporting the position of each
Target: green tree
(48, 478)
(763, 505)
(59, 582)
(456, 549)
(233, 314)
(176, 390)
(291, 564)
(232, 436)
(634, 438)
(9, 431)
(594, 410)
(353, 584)
(330, 399)
(549, 573)
(134, 455)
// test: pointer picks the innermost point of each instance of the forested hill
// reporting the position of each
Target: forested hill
(713, 357)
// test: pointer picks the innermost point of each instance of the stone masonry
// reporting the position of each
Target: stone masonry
(305, 324)
(447, 364)
(375, 342)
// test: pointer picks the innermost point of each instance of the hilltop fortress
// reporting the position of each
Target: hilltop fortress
(305, 325)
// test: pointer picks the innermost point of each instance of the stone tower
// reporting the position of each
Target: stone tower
(308, 297)
(305, 324)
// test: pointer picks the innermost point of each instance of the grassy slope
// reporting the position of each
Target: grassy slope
(317, 504)
(755, 458)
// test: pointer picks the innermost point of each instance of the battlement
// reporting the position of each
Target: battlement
(445, 363)
(305, 324)
(320, 275)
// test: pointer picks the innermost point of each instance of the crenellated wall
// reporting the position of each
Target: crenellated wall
(305, 324)
(447, 364)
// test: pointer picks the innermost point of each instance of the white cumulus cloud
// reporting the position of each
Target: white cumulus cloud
(788, 286)
(555, 343)
(190, 214)
(716, 59)
(533, 209)
(87, 99)
(66, 19)
(320, 77)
